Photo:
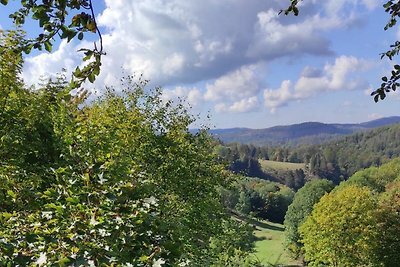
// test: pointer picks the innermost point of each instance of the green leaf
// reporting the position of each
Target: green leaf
(11, 194)
(80, 36)
(92, 77)
(73, 200)
(4, 2)
(48, 46)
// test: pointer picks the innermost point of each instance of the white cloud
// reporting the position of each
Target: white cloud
(173, 64)
(46, 64)
(236, 85)
(243, 105)
(218, 44)
(278, 97)
(333, 77)
(235, 92)
(178, 41)
(193, 96)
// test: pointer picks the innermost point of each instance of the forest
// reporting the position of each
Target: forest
(121, 179)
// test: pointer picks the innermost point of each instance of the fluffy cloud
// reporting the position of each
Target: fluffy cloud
(235, 92)
(177, 41)
(217, 44)
(333, 77)
(233, 86)
(192, 96)
(65, 57)
(243, 105)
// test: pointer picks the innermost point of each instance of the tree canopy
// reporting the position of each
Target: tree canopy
(119, 181)
(341, 229)
(357, 223)
(299, 210)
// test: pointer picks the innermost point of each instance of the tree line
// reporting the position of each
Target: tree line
(335, 160)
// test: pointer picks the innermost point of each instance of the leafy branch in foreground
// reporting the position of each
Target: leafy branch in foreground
(64, 19)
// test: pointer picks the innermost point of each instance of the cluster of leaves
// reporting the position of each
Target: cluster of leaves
(117, 182)
(357, 223)
(64, 19)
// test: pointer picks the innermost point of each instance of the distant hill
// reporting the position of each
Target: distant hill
(303, 133)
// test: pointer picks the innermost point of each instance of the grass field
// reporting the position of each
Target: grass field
(280, 166)
(269, 246)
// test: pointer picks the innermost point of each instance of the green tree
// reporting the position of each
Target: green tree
(300, 209)
(375, 178)
(342, 229)
(126, 183)
(387, 246)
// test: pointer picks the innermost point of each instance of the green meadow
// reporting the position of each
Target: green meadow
(269, 248)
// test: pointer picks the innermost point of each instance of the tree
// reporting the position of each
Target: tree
(391, 82)
(342, 229)
(300, 209)
(375, 178)
(64, 19)
(388, 245)
(126, 183)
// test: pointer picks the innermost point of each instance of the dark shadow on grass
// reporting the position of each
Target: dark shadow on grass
(266, 225)
(255, 222)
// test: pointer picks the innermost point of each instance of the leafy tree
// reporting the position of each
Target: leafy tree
(391, 82)
(387, 246)
(64, 19)
(300, 209)
(376, 178)
(122, 182)
(342, 229)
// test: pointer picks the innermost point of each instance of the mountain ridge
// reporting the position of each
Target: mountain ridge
(300, 133)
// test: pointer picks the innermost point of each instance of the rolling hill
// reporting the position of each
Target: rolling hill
(302, 133)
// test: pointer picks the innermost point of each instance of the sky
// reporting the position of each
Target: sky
(239, 61)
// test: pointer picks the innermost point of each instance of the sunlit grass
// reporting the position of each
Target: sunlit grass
(280, 166)
(269, 247)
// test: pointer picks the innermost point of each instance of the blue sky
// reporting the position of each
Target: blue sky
(239, 61)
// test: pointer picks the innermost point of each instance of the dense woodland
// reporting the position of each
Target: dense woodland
(336, 160)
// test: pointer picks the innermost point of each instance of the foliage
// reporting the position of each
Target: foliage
(300, 209)
(388, 245)
(119, 181)
(342, 229)
(358, 222)
(65, 19)
(250, 160)
(259, 198)
(376, 178)
(340, 159)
